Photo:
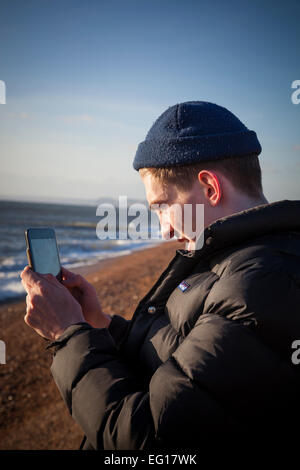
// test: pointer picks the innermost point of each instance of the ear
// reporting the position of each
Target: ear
(210, 182)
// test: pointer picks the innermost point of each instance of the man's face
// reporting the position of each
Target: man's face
(168, 202)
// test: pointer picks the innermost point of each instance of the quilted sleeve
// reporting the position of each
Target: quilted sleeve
(220, 376)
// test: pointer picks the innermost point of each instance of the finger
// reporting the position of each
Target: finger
(75, 280)
(40, 286)
(28, 276)
(66, 273)
(70, 278)
(25, 270)
(27, 286)
(51, 278)
(28, 301)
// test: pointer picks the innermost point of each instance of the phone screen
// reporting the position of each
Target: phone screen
(45, 256)
(42, 251)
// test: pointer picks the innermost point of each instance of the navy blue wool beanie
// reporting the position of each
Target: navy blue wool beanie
(195, 131)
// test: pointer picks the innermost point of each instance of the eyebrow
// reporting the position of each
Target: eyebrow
(161, 201)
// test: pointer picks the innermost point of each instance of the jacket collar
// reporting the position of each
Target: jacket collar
(257, 221)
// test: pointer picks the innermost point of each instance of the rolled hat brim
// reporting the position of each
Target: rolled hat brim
(186, 150)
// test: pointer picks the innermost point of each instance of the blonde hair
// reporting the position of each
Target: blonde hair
(244, 173)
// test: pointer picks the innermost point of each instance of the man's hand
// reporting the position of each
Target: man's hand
(87, 297)
(50, 306)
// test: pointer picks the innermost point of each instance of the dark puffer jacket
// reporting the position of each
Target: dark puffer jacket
(211, 356)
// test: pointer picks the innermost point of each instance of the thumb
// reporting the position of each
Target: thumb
(70, 279)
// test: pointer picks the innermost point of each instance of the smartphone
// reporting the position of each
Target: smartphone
(42, 251)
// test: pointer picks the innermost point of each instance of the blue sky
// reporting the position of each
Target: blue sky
(86, 80)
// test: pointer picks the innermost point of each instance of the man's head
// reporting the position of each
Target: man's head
(199, 153)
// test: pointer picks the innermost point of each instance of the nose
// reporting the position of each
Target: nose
(166, 228)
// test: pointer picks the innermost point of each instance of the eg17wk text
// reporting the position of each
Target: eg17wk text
(150, 459)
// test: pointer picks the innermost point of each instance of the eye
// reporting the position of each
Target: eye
(160, 209)
(156, 208)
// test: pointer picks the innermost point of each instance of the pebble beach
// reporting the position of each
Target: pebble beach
(32, 413)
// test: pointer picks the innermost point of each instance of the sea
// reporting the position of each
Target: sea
(77, 240)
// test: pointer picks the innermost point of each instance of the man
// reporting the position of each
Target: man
(208, 349)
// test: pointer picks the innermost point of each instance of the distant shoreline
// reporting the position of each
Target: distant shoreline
(84, 270)
(78, 241)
